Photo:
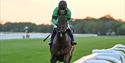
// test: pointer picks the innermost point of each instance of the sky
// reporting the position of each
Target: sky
(40, 11)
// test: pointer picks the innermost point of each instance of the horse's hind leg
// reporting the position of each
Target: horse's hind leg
(53, 59)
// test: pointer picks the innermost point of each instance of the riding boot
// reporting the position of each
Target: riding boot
(72, 37)
(52, 37)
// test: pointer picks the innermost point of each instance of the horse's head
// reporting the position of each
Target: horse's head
(62, 24)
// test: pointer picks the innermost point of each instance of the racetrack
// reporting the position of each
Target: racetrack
(36, 51)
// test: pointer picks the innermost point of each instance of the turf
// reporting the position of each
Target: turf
(36, 51)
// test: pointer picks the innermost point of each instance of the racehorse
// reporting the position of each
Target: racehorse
(61, 49)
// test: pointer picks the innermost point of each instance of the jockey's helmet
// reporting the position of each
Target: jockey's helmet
(62, 5)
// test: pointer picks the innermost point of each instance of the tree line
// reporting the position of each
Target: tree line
(103, 26)
(20, 27)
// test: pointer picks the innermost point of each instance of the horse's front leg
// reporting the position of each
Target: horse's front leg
(53, 59)
(67, 58)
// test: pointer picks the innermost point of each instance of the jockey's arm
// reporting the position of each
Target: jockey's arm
(68, 15)
(55, 16)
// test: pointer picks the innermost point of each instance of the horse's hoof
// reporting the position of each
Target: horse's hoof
(50, 44)
(73, 43)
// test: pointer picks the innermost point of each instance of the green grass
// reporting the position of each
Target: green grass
(36, 51)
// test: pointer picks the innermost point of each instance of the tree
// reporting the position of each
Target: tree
(121, 30)
(0, 27)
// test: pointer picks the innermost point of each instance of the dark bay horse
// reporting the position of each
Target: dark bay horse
(61, 49)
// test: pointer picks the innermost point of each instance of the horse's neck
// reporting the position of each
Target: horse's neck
(62, 19)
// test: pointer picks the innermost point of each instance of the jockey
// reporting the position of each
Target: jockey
(63, 6)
